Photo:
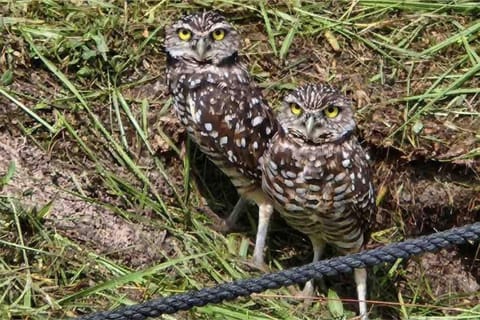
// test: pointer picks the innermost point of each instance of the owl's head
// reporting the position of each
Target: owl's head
(203, 38)
(316, 113)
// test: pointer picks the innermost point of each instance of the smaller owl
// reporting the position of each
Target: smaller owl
(318, 174)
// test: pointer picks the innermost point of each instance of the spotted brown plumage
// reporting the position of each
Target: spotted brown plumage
(221, 107)
(318, 174)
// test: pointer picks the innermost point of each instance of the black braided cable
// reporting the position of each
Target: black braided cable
(298, 275)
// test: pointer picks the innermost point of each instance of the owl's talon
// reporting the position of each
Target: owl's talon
(255, 266)
(308, 292)
(218, 224)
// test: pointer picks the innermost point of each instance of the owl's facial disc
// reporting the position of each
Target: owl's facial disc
(203, 38)
(316, 114)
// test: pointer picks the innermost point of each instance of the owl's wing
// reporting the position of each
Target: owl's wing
(364, 204)
(234, 123)
(346, 181)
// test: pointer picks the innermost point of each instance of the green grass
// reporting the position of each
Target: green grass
(83, 83)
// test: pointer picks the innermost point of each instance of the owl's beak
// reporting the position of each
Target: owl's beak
(201, 48)
(309, 125)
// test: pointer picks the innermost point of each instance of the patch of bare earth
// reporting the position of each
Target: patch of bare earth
(49, 180)
(443, 276)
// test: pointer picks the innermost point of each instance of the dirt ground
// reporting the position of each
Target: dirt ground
(52, 181)
(426, 184)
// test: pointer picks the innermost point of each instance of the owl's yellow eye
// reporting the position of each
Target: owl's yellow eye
(184, 34)
(295, 109)
(331, 111)
(218, 34)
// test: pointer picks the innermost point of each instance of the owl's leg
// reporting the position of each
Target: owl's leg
(265, 210)
(318, 248)
(236, 212)
(361, 282)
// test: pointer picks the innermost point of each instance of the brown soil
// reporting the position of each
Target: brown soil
(437, 276)
(49, 180)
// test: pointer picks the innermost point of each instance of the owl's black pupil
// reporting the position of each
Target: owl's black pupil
(331, 110)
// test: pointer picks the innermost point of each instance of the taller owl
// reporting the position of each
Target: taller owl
(222, 109)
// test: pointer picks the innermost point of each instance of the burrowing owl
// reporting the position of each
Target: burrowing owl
(223, 110)
(319, 176)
